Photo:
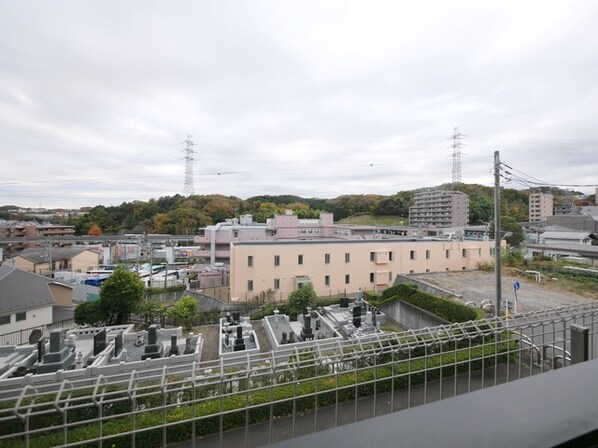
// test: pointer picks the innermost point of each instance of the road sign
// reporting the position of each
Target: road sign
(516, 286)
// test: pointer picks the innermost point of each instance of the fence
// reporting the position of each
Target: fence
(21, 337)
(269, 397)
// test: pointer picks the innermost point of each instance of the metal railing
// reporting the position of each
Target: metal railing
(267, 397)
(21, 337)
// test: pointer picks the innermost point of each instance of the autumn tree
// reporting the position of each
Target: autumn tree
(94, 230)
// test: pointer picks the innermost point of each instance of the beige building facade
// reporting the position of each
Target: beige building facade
(38, 262)
(439, 208)
(344, 266)
(540, 206)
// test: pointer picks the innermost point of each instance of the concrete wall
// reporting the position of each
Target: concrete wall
(207, 302)
(411, 316)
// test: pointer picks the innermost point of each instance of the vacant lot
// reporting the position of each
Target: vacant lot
(477, 286)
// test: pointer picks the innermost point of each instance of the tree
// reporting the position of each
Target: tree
(90, 313)
(185, 309)
(300, 299)
(151, 310)
(94, 230)
(510, 224)
(121, 294)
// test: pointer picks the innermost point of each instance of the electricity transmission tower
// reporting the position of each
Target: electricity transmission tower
(457, 136)
(189, 153)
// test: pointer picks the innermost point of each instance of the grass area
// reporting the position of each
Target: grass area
(554, 275)
(363, 219)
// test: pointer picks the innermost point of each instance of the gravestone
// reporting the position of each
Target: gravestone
(188, 348)
(152, 335)
(239, 342)
(174, 348)
(154, 348)
(307, 332)
(41, 349)
(59, 357)
(99, 342)
(357, 316)
(118, 343)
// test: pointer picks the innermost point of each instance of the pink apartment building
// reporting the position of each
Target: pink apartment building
(334, 266)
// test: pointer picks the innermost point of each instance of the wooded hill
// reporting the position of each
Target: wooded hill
(184, 215)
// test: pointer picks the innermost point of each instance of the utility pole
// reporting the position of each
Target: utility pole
(497, 232)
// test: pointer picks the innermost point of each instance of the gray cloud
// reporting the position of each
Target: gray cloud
(309, 98)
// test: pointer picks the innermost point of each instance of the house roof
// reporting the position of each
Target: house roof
(21, 290)
(58, 253)
(568, 235)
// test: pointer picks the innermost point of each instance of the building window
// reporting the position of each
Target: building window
(464, 253)
(427, 254)
(347, 257)
(372, 256)
(347, 279)
(276, 283)
(249, 285)
(391, 256)
(276, 260)
(250, 261)
(372, 277)
(21, 316)
(327, 258)
(412, 255)
(327, 280)
(299, 259)
(5, 320)
(390, 276)
(447, 253)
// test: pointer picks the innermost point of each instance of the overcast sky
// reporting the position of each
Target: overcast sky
(313, 98)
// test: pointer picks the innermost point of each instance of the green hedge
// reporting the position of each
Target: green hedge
(273, 401)
(441, 307)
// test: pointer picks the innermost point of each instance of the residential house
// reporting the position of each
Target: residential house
(46, 261)
(30, 300)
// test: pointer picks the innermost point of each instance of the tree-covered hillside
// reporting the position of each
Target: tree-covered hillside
(184, 215)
